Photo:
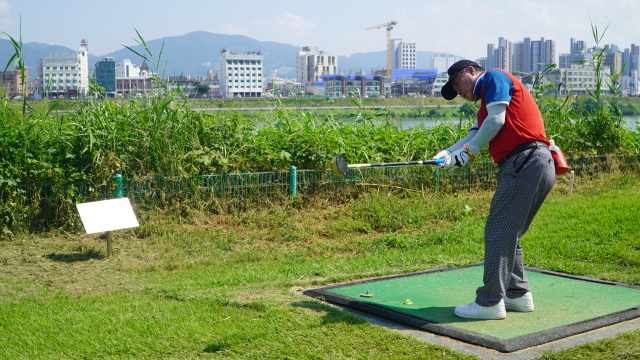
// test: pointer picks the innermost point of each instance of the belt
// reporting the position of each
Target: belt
(519, 149)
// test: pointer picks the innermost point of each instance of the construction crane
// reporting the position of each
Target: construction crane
(389, 26)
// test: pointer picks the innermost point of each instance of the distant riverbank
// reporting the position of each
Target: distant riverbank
(316, 108)
(631, 122)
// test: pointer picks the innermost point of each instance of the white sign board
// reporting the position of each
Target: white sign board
(107, 215)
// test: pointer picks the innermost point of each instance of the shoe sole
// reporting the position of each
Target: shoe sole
(518, 308)
(481, 317)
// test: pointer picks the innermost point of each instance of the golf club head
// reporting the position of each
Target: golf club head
(339, 167)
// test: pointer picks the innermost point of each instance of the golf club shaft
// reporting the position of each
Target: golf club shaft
(420, 162)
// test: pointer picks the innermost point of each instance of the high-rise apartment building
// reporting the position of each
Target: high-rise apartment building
(577, 47)
(442, 63)
(522, 56)
(403, 55)
(66, 75)
(542, 52)
(483, 62)
(633, 66)
(312, 63)
(500, 56)
(613, 61)
(634, 57)
(526, 65)
(503, 55)
(578, 54)
(241, 73)
(625, 61)
(490, 63)
(630, 59)
(535, 56)
(548, 53)
(613, 48)
(565, 61)
(518, 58)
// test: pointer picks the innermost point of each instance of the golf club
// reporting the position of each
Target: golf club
(341, 169)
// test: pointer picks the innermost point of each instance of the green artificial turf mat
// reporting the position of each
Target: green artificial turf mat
(558, 300)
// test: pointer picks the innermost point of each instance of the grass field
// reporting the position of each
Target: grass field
(228, 286)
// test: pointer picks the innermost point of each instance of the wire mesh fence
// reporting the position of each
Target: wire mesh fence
(46, 203)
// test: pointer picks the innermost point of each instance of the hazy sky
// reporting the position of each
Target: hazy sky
(462, 27)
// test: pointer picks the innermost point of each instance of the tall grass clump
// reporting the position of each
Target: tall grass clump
(161, 136)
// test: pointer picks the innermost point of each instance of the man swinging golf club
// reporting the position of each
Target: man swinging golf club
(510, 122)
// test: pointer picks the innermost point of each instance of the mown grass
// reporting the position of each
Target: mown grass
(228, 285)
(623, 346)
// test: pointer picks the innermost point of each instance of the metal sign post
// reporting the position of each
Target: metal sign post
(118, 182)
(108, 215)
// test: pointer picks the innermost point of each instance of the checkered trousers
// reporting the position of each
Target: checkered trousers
(522, 187)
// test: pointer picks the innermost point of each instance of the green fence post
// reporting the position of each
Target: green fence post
(437, 174)
(119, 191)
(292, 181)
(223, 186)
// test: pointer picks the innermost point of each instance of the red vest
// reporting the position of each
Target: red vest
(523, 121)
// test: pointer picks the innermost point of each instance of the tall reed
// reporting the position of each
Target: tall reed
(162, 136)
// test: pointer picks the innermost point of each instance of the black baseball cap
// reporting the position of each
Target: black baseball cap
(447, 91)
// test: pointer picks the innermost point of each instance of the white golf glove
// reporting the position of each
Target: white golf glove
(459, 158)
(444, 154)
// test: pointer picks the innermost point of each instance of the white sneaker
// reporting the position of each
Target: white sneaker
(475, 311)
(522, 304)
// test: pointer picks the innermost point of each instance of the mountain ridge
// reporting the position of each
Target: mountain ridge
(195, 52)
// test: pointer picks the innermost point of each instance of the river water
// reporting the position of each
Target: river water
(631, 122)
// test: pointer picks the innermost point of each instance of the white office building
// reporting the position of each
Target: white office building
(133, 79)
(66, 75)
(241, 73)
(443, 62)
(127, 69)
(312, 63)
(579, 79)
(403, 55)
